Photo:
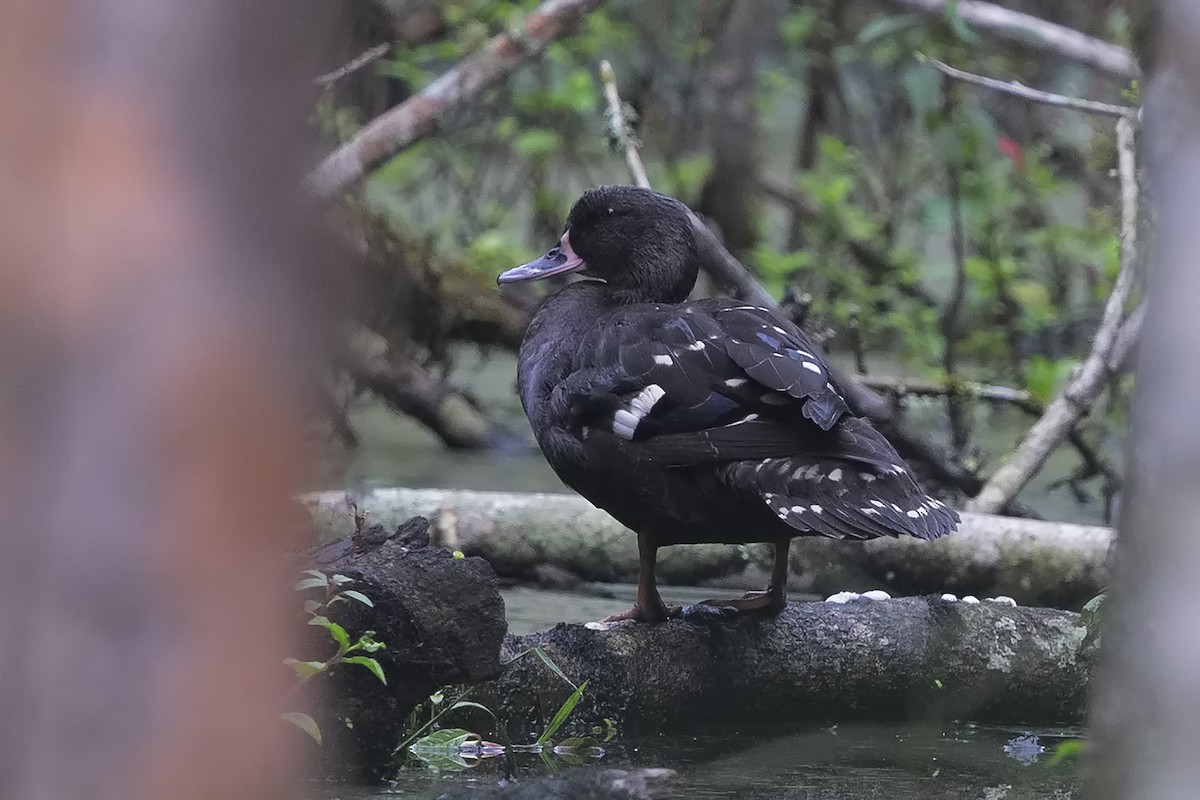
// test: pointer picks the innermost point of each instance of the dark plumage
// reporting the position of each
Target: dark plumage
(704, 421)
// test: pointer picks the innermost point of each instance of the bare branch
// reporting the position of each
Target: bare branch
(933, 388)
(1019, 89)
(619, 129)
(424, 113)
(1081, 391)
(368, 57)
(1037, 33)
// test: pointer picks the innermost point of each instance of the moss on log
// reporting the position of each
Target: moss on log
(1038, 563)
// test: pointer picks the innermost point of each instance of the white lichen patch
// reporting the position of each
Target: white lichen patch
(1000, 659)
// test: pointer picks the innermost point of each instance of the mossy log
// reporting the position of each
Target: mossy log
(1037, 563)
(907, 659)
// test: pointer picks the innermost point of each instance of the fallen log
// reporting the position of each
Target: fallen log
(910, 659)
(1037, 563)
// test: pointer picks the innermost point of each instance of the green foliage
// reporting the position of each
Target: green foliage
(445, 749)
(333, 591)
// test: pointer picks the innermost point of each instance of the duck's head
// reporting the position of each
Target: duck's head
(638, 241)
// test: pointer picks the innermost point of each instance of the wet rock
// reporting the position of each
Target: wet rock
(442, 619)
(584, 783)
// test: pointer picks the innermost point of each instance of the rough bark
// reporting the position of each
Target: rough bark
(1035, 562)
(442, 619)
(1147, 709)
(156, 334)
(917, 658)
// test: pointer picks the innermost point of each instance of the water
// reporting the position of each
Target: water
(846, 762)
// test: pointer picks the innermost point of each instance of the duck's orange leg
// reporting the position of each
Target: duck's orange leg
(649, 606)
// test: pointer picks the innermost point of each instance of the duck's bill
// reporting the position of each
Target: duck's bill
(559, 260)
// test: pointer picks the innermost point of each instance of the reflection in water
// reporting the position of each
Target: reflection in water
(840, 762)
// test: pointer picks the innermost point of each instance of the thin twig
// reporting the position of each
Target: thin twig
(959, 432)
(427, 111)
(619, 129)
(1030, 31)
(1093, 463)
(1036, 95)
(370, 56)
(1081, 391)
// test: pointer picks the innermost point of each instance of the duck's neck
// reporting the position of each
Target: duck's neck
(662, 281)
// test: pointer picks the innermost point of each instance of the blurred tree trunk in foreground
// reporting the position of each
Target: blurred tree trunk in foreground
(1146, 714)
(157, 317)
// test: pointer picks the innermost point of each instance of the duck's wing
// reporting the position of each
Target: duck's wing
(707, 382)
(720, 382)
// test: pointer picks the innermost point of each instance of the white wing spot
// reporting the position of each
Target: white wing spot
(734, 383)
(696, 346)
(816, 509)
(644, 401)
(624, 424)
(811, 367)
(913, 514)
(867, 476)
(779, 330)
(666, 361)
(877, 504)
(836, 475)
(797, 509)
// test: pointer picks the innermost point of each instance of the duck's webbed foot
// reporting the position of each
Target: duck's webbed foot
(769, 602)
(648, 612)
(648, 607)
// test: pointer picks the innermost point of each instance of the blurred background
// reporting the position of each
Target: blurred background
(934, 235)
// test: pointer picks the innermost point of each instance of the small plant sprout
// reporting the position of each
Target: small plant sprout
(348, 652)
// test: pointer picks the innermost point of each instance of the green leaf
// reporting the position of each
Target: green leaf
(1091, 617)
(608, 731)
(336, 631)
(577, 751)
(316, 573)
(440, 750)
(537, 142)
(1071, 748)
(883, 27)
(304, 722)
(472, 704)
(305, 669)
(561, 715)
(310, 583)
(354, 594)
(549, 662)
(370, 664)
(342, 580)
(445, 739)
(312, 606)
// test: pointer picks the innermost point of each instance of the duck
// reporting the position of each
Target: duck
(696, 421)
